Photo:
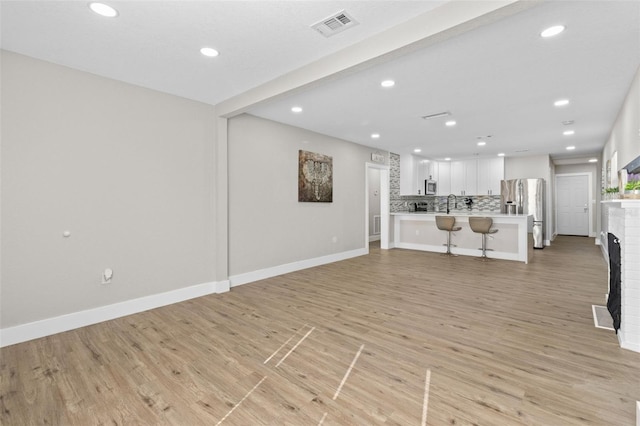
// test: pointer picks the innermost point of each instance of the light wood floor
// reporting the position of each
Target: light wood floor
(395, 337)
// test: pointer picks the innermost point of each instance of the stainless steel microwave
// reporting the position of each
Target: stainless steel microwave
(430, 187)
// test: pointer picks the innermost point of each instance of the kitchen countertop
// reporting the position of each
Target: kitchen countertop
(461, 214)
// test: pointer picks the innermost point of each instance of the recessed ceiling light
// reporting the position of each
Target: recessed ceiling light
(501, 154)
(209, 51)
(568, 132)
(296, 109)
(571, 148)
(450, 123)
(447, 159)
(388, 83)
(375, 135)
(417, 150)
(561, 102)
(482, 143)
(103, 10)
(593, 160)
(552, 31)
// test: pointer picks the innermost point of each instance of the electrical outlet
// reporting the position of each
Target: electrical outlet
(107, 275)
(334, 239)
(417, 232)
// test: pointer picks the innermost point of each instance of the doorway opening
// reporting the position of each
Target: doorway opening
(376, 205)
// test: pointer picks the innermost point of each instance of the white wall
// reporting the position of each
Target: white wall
(533, 167)
(267, 225)
(624, 138)
(625, 135)
(128, 171)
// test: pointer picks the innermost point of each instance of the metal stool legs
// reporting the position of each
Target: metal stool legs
(448, 244)
(447, 223)
(484, 246)
(482, 225)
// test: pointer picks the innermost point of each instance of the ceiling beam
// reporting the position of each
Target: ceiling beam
(444, 22)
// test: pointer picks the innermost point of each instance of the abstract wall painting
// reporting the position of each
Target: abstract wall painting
(315, 177)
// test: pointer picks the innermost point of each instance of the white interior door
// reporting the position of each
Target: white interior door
(573, 205)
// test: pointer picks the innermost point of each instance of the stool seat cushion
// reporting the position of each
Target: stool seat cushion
(446, 223)
(482, 225)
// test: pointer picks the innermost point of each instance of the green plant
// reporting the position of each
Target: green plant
(611, 190)
(634, 184)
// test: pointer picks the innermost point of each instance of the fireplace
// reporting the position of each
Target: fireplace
(621, 232)
(614, 299)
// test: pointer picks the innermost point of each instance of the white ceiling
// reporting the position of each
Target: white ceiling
(156, 44)
(498, 80)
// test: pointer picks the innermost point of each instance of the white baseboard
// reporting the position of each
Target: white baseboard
(374, 238)
(274, 271)
(49, 326)
(637, 413)
(460, 251)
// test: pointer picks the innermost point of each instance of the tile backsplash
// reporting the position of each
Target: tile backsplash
(483, 203)
(397, 204)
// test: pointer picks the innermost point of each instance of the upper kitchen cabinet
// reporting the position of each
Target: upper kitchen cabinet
(422, 173)
(490, 173)
(407, 174)
(464, 177)
(413, 172)
(443, 177)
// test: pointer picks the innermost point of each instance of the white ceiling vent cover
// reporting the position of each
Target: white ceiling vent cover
(334, 24)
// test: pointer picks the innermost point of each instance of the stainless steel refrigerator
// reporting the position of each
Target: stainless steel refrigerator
(526, 196)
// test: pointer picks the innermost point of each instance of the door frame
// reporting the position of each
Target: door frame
(590, 233)
(384, 204)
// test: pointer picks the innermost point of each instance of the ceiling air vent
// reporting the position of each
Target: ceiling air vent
(436, 115)
(334, 24)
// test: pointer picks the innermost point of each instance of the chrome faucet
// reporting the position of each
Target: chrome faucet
(455, 202)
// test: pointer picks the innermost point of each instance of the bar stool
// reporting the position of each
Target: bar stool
(482, 225)
(447, 223)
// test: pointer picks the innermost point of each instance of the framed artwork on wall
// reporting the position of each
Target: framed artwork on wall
(315, 177)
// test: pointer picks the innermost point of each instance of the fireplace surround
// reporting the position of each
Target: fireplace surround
(622, 219)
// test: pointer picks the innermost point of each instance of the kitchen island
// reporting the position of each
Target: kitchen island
(418, 231)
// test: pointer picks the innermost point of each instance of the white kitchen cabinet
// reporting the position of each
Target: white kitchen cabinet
(407, 174)
(490, 173)
(458, 177)
(432, 170)
(432, 176)
(422, 173)
(464, 177)
(443, 177)
(413, 172)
